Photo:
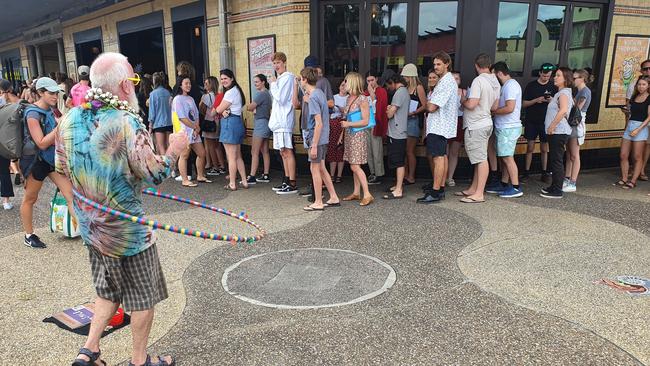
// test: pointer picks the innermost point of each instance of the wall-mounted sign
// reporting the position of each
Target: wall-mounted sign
(260, 58)
(629, 51)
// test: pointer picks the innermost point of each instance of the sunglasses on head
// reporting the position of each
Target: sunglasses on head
(548, 68)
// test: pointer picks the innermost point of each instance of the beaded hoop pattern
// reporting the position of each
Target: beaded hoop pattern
(242, 216)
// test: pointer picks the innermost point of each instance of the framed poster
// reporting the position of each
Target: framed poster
(629, 51)
(260, 58)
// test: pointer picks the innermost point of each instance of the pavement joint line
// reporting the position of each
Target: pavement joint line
(485, 224)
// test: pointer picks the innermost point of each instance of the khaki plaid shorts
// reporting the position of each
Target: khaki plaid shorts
(137, 282)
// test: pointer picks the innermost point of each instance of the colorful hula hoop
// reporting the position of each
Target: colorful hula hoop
(176, 229)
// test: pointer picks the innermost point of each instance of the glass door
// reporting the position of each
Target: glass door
(341, 40)
(387, 35)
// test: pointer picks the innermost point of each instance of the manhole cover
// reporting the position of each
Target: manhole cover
(308, 278)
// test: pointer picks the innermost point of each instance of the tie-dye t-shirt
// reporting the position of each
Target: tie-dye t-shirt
(107, 155)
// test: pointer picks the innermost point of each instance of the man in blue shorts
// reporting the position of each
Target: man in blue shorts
(507, 122)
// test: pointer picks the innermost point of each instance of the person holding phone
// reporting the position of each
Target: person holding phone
(537, 94)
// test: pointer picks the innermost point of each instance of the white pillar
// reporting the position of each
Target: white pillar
(40, 70)
(61, 49)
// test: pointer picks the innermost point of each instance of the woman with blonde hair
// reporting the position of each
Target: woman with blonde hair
(356, 146)
(416, 112)
(582, 100)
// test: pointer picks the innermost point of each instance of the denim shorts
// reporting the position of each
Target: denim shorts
(261, 128)
(232, 130)
(413, 127)
(641, 136)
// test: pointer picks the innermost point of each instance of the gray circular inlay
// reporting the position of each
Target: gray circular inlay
(308, 278)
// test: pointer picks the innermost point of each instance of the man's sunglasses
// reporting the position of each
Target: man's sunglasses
(135, 79)
(645, 68)
(548, 68)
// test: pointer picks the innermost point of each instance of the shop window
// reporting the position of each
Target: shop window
(436, 32)
(548, 35)
(584, 37)
(387, 36)
(341, 36)
(511, 35)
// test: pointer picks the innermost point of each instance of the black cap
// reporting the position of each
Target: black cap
(5, 86)
(311, 61)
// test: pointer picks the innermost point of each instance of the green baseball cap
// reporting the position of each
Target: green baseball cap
(546, 67)
(47, 84)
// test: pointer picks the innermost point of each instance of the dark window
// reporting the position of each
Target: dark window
(341, 40)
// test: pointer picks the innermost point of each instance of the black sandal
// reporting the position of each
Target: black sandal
(93, 356)
(160, 362)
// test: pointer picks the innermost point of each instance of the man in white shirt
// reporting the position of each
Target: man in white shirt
(441, 125)
(507, 122)
(281, 122)
(483, 95)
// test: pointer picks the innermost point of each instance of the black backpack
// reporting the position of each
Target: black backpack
(575, 116)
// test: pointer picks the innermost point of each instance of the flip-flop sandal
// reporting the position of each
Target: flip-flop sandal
(471, 200)
(191, 184)
(461, 194)
(204, 180)
(311, 209)
(392, 196)
(389, 189)
(643, 178)
(620, 183)
(227, 187)
(629, 185)
(407, 183)
(336, 204)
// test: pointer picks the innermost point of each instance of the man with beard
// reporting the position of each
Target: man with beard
(106, 152)
(441, 125)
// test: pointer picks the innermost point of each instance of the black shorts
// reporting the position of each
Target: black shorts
(436, 145)
(534, 129)
(35, 167)
(396, 153)
(164, 129)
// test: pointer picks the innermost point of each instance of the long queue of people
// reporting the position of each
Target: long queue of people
(392, 111)
(396, 111)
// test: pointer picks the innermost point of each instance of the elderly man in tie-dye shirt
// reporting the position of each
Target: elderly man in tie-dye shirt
(107, 153)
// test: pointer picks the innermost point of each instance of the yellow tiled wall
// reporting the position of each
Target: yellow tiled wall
(623, 22)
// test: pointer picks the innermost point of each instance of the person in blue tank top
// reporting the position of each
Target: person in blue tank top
(41, 126)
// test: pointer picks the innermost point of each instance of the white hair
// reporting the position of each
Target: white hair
(108, 70)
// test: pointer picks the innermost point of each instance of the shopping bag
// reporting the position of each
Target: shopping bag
(61, 221)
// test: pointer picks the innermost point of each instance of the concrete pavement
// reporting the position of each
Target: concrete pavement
(505, 282)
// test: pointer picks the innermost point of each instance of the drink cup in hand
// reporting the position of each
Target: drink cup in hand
(178, 142)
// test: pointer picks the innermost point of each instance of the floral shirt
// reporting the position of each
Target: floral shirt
(443, 121)
(107, 154)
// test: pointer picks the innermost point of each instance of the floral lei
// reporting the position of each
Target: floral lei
(97, 99)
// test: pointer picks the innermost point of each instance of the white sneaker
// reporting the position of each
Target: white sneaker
(7, 205)
(180, 179)
(570, 187)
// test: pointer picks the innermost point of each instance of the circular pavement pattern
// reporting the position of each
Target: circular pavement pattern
(308, 278)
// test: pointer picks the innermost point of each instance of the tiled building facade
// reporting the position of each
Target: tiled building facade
(300, 29)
